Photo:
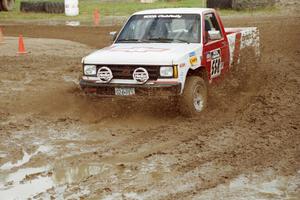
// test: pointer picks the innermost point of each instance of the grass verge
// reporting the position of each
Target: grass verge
(120, 8)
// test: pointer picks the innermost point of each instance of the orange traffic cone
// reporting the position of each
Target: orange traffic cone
(21, 45)
(96, 17)
(1, 37)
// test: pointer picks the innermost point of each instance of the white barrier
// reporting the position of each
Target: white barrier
(71, 7)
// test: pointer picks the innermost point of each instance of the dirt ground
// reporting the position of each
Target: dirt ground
(57, 144)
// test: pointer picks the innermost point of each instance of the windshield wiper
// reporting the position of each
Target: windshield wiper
(161, 39)
(181, 40)
(128, 40)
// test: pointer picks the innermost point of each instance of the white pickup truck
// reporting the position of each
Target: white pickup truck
(173, 52)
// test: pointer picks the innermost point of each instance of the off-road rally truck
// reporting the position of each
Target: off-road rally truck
(173, 52)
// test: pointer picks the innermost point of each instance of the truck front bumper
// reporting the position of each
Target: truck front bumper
(157, 89)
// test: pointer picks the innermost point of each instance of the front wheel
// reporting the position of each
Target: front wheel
(194, 97)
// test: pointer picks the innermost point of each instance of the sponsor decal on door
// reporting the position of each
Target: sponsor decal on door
(193, 58)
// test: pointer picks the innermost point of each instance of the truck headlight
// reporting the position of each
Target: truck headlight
(90, 69)
(166, 71)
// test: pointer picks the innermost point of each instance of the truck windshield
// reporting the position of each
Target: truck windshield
(161, 28)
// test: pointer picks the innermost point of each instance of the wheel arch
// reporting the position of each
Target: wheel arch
(200, 71)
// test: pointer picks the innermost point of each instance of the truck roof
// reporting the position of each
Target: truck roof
(174, 11)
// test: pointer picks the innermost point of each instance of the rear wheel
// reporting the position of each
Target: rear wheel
(7, 5)
(194, 97)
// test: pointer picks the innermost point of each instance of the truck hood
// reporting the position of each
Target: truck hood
(142, 53)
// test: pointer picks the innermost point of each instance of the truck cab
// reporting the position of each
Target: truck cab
(163, 52)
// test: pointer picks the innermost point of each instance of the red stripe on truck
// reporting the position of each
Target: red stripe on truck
(237, 48)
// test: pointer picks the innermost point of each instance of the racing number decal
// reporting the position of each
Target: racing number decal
(216, 63)
(216, 67)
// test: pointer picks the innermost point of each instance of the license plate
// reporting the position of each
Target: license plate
(124, 91)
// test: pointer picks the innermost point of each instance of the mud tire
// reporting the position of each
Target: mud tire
(43, 7)
(32, 7)
(7, 5)
(225, 4)
(54, 7)
(194, 98)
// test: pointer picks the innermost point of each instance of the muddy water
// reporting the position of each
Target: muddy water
(57, 144)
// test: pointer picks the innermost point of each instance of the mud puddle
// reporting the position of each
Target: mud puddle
(53, 182)
(33, 182)
(26, 158)
(25, 183)
(264, 185)
(46, 181)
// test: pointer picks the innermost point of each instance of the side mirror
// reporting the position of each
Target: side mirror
(113, 35)
(214, 35)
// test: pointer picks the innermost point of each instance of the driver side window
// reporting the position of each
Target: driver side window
(211, 25)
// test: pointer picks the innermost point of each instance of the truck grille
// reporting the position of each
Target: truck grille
(125, 71)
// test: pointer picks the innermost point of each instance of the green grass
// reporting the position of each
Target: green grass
(86, 8)
(121, 8)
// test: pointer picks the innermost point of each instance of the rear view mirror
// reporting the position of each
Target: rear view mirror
(214, 35)
(113, 35)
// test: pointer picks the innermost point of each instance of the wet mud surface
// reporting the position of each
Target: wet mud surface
(57, 144)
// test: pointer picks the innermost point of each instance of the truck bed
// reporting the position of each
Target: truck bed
(240, 38)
